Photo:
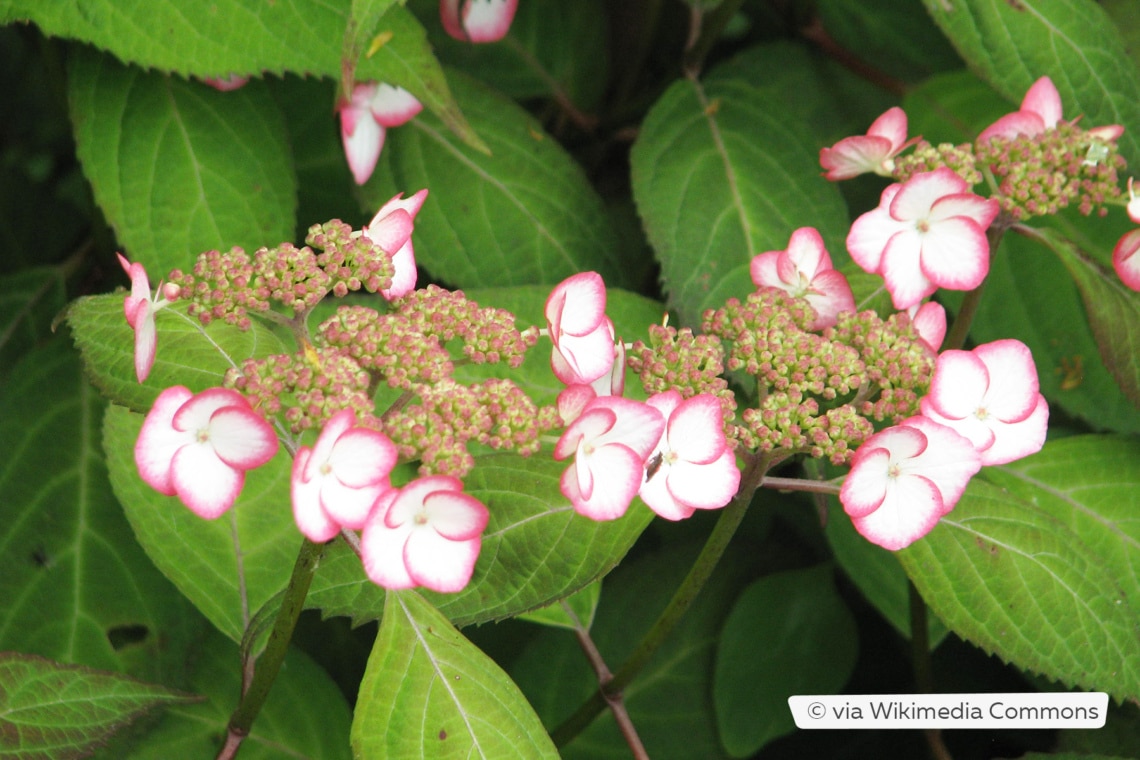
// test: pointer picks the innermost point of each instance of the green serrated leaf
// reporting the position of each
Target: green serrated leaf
(720, 174)
(1074, 42)
(792, 633)
(227, 567)
(574, 612)
(74, 584)
(429, 692)
(1012, 576)
(177, 167)
(1113, 312)
(305, 717)
(188, 353)
(52, 709)
(491, 219)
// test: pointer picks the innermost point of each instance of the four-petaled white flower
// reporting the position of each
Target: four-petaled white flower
(336, 483)
(582, 334)
(477, 20)
(872, 152)
(364, 120)
(198, 447)
(140, 307)
(427, 533)
(692, 467)
(804, 270)
(905, 478)
(926, 234)
(990, 396)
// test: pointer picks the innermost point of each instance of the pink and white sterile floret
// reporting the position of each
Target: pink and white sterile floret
(427, 533)
(804, 271)
(927, 233)
(693, 466)
(1040, 110)
(904, 479)
(227, 83)
(477, 20)
(391, 229)
(582, 334)
(140, 307)
(990, 396)
(610, 442)
(336, 483)
(872, 152)
(1126, 259)
(199, 447)
(364, 120)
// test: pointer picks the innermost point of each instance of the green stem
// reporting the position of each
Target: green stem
(730, 519)
(920, 659)
(956, 336)
(712, 24)
(266, 673)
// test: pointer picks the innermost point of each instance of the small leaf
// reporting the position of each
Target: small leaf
(1074, 42)
(177, 167)
(51, 709)
(429, 692)
(582, 606)
(788, 633)
(491, 219)
(1010, 575)
(721, 173)
(1113, 313)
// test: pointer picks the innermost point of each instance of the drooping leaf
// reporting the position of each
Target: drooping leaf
(177, 167)
(226, 567)
(1013, 577)
(429, 692)
(1073, 42)
(721, 172)
(788, 633)
(188, 353)
(492, 220)
(53, 709)
(305, 717)
(74, 584)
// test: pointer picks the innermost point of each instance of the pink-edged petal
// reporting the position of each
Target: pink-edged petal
(657, 497)
(764, 270)
(637, 425)
(158, 440)
(695, 430)
(405, 273)
(829, 295)
(310, 518)
(382, 554)
(1018, 439)
(241, 438)
(949, 459)
(806, 255)
(929, 322)
(909, 511)
(146, 340)
(891, 125)
(409, 500)
(865, 487)
(1013, 125)
(853, 156)
(1013, 387)
(665, 402)
(483, 21)
(870, 235)
(140, 284)
(393, 106)
(959, 384)
(456, 516)
(918, 195)
(572, 401)
(617, 472)
(204, 483)
(331, 431)
(363, 139)
(612, 383)
(710, 485)
(1043, 99)
(577, 305)
(902, 270)
(452, 22)
(981, 211)
(349, 507)
(584, 358)
(980, 433)
(439, 564)
(1125, 261)
(1108, 133)
(955, 255)
(590, 425)
(392, 231)
(412, 204)
(362, 458)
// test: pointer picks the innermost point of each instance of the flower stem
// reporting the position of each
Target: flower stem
(714, 548)
(266, 673)
(920, 659)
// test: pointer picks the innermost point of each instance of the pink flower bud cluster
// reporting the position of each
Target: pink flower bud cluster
(388, 345)
(352, 261)
(678, 360)
(927, 158)
(222, 287)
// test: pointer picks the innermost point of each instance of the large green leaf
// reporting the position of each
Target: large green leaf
(74, 585)
(792, 633)
(188, 353)
(177, 167)
(494, 219)
(1010, 571)
(51, 709)
(1074, 42)
(722, 172)
(429, 692)
(228, 567)
(305, 717)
